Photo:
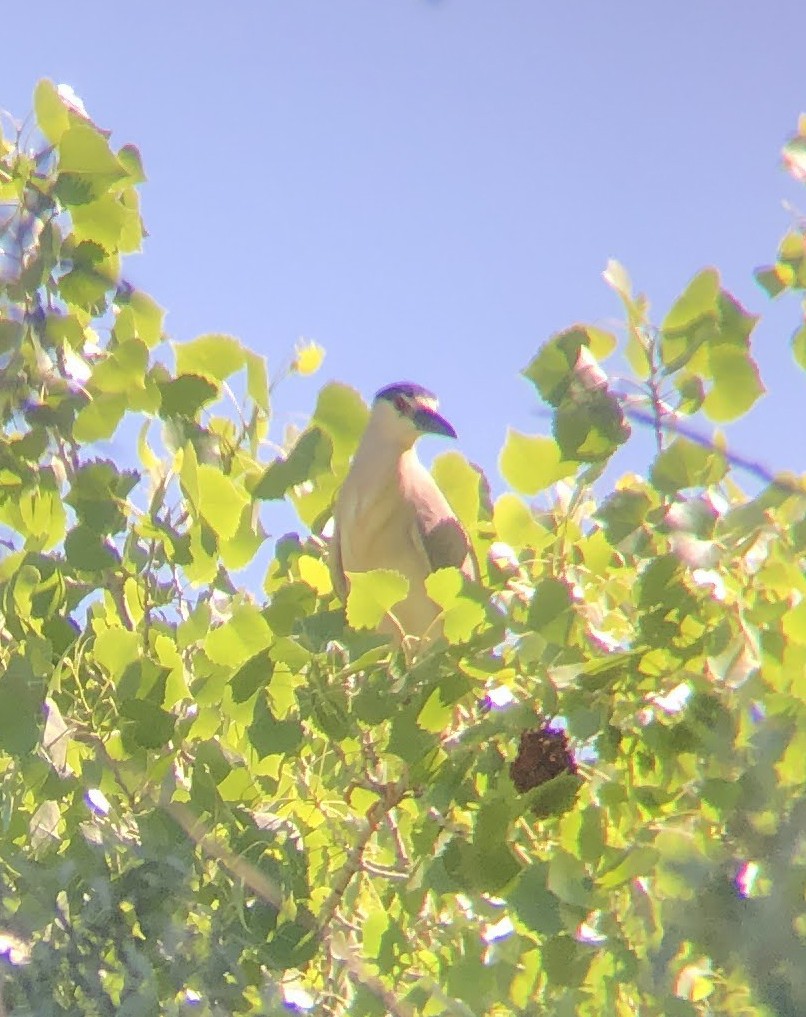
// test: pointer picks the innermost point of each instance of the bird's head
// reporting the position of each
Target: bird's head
(406, 411)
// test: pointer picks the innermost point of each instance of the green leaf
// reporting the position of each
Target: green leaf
(294, 944)
(241, 637)
(331, 715)
(435, 715)
(146, 724)
(289, 605)
(101, 221)
(462, 484)
(582, 833)
(568, 880)
(21, 706)
(86, 550)
(115, 649)
(551, 611)
(799, 347)
(692, 392)
(84, 151)
(98, 420)
(638, 861)
(590, 425)
(130, 158)
(531, 463)
(87, 284)
(96, 494)
(481, 868)
(220, 501)
(139, 317)
(189, 475)
(516, 525)
(185, 395)
(736, 383)
(553, 369)
(461, 615)
(240, 549)
(565, 961)
(309, 457)
(533, 902)
(123, 370)
(372, 595)
(11, 333)
(407, 739)
(553, 798)
(698, 300)
(51, 114)
(623, 513)
(341, 412)
(495, 867)
(775, 278)
(270, 736)
(257, 380)
(214, 355)
(686, 463)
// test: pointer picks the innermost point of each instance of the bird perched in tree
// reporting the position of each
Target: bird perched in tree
(390, 514)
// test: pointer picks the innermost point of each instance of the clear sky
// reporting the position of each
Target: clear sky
(430, 189)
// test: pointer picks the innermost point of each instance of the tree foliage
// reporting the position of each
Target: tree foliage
(226, 800)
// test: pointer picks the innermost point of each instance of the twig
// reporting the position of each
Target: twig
(394, 1006)
(755, 469)
(394, 794)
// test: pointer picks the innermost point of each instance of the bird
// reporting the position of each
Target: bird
(391, 514)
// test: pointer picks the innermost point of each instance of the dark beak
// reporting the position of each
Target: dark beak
(430, 422)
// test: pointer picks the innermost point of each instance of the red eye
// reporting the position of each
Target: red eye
(400, 404)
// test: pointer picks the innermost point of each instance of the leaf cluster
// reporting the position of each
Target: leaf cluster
(237, 800)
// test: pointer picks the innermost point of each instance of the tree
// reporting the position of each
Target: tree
(590, 801)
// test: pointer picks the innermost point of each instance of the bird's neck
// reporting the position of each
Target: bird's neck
(386, 451)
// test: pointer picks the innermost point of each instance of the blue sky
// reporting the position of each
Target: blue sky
(430, 189)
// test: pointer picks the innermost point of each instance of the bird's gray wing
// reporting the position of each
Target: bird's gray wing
(447, 544)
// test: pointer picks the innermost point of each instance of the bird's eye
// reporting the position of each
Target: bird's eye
(400, 404)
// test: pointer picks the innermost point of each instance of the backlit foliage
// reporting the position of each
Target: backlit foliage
(218, 798)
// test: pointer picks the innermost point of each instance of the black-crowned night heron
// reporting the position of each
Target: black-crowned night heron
(390, 514)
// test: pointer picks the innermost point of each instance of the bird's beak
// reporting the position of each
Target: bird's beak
(430, 422)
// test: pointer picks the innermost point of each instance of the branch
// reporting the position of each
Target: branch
(393, 796)
(755, 469)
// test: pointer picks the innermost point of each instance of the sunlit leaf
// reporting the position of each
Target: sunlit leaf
(531, 463)
(257, 381)
(799, 346)
(736, 384)
(83, 150)
(341, 412)
(461, 615)
(698, 300)
(372, 595)
(220, 501)
(123, 370)
(462, 485)
(215, 355)
(51, 113)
